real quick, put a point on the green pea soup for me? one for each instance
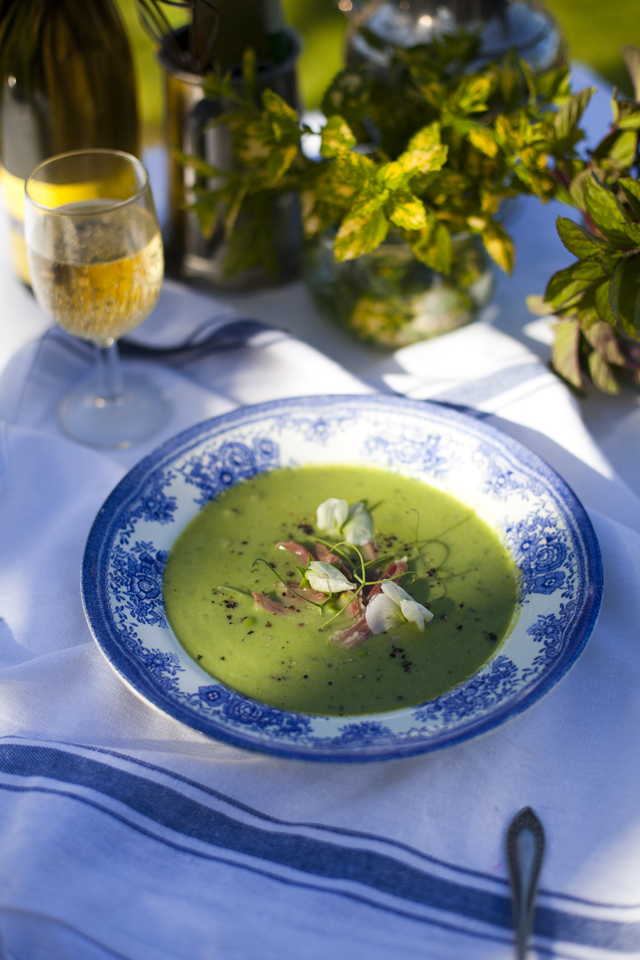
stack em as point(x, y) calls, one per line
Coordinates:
point(457, 567)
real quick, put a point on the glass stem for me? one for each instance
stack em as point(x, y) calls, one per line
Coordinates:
point(110, 373)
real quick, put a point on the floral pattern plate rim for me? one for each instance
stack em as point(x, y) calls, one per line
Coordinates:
point(537, 515)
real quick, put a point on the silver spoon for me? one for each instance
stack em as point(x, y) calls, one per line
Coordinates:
point(525, 850)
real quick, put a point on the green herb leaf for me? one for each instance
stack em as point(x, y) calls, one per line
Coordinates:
point(348, 95)
point(408, 212)
point(562, 288)
point(483, 140)
point(602, 303)
point(605, 211)
point(577, 240)
point(337, 137)
point(602, 338)
point(632, 231)
point(623, 150)
point(538, 305)
point(624, 294)
point(471, 95)
point(569, 115)
point(602, 375)
point(632, 60)
point(631, 191)
point(433, 247)
point(565, 354)
point(591, 269)
point(499, 245)
point(360, 233)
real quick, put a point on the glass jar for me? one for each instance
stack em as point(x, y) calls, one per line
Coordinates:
point(389, 298)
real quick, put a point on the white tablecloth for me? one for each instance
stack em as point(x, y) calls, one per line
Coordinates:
point(124, 834)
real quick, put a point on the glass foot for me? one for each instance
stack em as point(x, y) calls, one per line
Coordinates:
point(139, 412)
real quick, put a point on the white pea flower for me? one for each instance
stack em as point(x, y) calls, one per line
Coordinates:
point(358, 529)
point(326, 578)
point(393, 607)
point(351, 523)
point(331, 515)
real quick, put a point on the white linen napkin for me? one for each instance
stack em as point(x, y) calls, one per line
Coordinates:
point(124, 834)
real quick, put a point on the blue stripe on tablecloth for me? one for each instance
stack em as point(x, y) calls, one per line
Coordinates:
point(336, 831)
point(325, 859)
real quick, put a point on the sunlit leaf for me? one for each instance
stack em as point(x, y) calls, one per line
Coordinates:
point(605, 211)
point(337, 137)
point(565, 355)
point(602, 374)
point(569, 115)
point(499, 245)
point(358, 235)
point(603, 340)
point(632, 60)
point(577, 240)
point(409, 213)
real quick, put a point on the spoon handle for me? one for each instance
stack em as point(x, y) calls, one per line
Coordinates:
point(525, 850)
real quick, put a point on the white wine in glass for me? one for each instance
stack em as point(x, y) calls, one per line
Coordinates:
point(96, 262)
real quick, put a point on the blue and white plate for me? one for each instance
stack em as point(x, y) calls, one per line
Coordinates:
point(524, 500)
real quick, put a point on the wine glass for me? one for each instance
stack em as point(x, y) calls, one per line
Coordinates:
point(96, 262)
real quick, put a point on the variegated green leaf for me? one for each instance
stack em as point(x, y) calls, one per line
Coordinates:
point(408, 212)
point(433, 247)
point(471, 95)
point(499, 245)
point(483, 140)
point(360, 234)
point(278, 108)
point(280, 160)
point(337, 137)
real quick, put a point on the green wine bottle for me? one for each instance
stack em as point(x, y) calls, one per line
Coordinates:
point(67, 84)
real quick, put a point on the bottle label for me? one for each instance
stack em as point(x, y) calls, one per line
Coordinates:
point(13, 192)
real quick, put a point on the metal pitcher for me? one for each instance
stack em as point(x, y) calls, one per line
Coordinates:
point(190, 255)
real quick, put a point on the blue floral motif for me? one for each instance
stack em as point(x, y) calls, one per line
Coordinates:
point(426, 454)
point(215, 694)
point(135, 580)
point(552, 631)
point(163, 667)
point(313, 429)
point(212, 471)
point(539, 547)
point(504, 478)
point(365, 732)
point(152, 505)
point(548, 582)
point(219, 701)
point(478, 694)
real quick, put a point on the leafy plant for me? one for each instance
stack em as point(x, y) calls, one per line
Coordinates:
point(430, 153)
point(597, 298)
